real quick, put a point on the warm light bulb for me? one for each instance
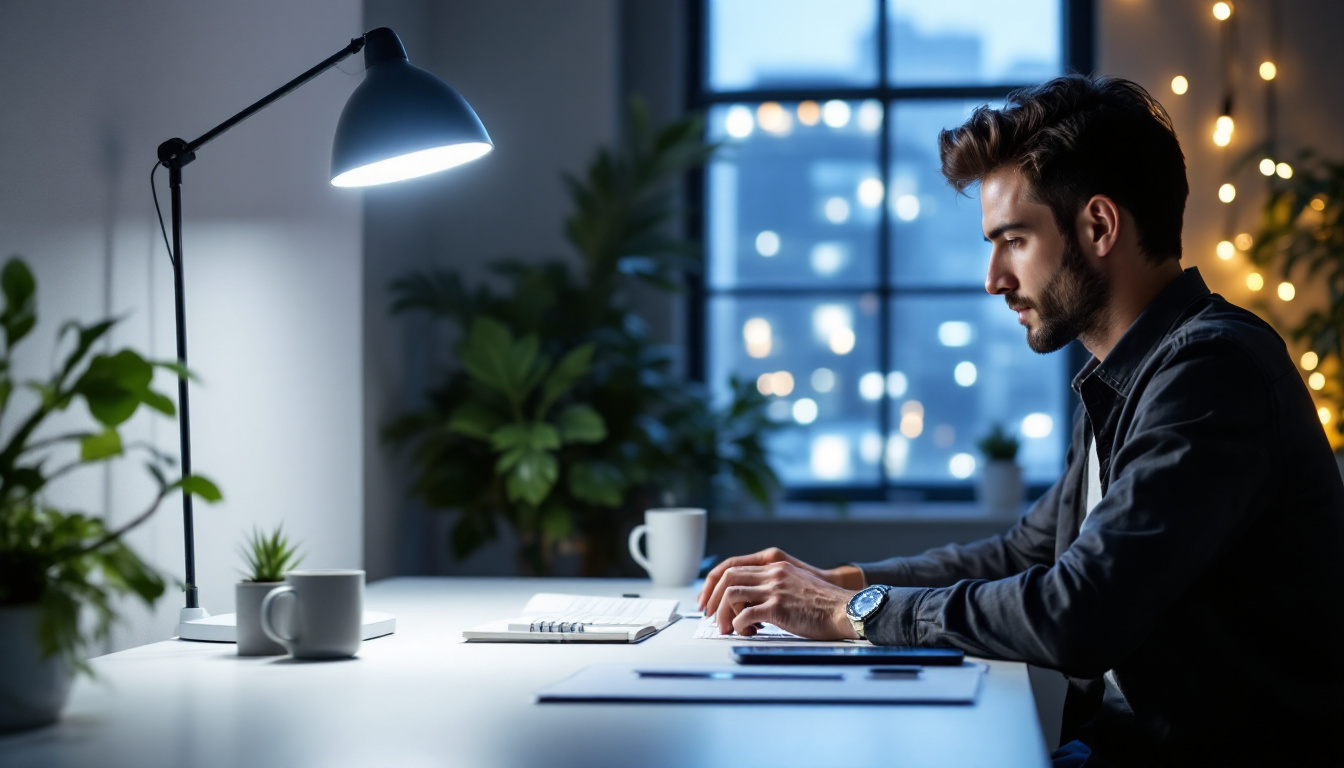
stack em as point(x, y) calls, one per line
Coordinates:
point(1179, 85)
point(1224, 124)
point(1227, 193)
point(1222, 138)
point(1284, 170)
point(1324, 413)
point(1244, 241)
point(809, 113)
point(1254, 281)
point(1318, 203)
point(1222, 11)
point(1287, 291)
point(1267, 167)
point(1310, 360)
point(1268, 70)
point(1225, 249)
point(1316, 381)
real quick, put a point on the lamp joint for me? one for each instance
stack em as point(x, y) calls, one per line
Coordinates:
point(174, 153)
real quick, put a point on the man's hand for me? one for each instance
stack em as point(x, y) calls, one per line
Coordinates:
point(792, 597)
point(846, 576)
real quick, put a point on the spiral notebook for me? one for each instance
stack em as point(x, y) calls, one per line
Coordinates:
point(555, 618)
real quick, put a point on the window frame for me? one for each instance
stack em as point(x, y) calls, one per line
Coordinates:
point(1078, 29)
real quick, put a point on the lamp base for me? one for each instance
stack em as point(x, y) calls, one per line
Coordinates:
point(198, 625)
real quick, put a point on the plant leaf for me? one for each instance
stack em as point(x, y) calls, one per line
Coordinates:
point(199, 486)
point(475, 419)
point(572, 367)
point(20, 313)
point(103, 445)
point(581, 423)
point(532, 476)
point(597, 482)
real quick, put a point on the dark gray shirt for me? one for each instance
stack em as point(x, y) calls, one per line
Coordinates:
point(1207, 586)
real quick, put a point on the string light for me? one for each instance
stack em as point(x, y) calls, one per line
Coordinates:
point(1254, 281)
point(1287, 291)
point(1227, 193)
point(1225, 249)
point(1318, 203)
point(1244, 242)
point(1179, 85)
point(1324, 413)
point(1316, 381)
point(1267, 167)
point(1222, 11)
point(1268, 70)
point(1310, 360)
point(1284, 170)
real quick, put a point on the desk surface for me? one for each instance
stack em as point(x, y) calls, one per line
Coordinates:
point(422, 697)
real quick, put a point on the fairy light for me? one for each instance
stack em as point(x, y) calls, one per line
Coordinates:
point(1310, 360)
point(1284, 170)
point(1225, 249)
point(1268, 70)
point(1317, 203)
point(1179, 85)
point(1255, 281)
point(1222, 11)
point(1316, 381)
point(1227, 193)
point(1244, 241)
point(1267, 167)
point(1324, 413)
point(1287, 291)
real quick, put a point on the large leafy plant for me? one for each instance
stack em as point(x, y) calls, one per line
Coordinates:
point(62, 560)
point(1301, 236)
point(565, 418)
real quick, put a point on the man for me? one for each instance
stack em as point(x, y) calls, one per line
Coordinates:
point(1186, 571)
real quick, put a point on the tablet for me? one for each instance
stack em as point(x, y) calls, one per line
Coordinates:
point(867, 655)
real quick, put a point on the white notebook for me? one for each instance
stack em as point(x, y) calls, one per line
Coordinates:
point(556, 618)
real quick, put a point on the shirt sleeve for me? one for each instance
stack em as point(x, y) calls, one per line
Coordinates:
point(1031, 541)
point(1194, 466)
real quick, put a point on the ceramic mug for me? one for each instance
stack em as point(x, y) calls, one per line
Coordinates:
point(325, 618)
point(676, 544)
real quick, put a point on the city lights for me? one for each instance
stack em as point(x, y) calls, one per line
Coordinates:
point(1037, 425)
point(767, 243)
point(965, 373)
point(835, 113)
point(954, 333)
point(757, 334)
point(961, 466)
point(738, 122)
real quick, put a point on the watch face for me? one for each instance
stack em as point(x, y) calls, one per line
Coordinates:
point(866, 601)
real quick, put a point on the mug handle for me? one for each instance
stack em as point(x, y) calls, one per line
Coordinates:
point(639, 557)
point(267, 625)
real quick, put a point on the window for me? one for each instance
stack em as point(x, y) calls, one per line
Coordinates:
point(843, 275)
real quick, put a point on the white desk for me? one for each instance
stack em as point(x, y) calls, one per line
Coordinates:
point(424, 698)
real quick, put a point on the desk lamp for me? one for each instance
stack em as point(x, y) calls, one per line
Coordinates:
point(400, 123)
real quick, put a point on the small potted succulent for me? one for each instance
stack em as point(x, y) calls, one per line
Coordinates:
point(268, 559)
point(1000, 485)
point(57, 562)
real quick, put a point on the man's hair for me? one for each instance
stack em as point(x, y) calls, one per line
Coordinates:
point(1074, 137)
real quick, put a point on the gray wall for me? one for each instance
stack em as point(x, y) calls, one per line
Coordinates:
point(272, 255)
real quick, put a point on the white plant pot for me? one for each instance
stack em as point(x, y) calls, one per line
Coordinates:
point(247, 603)
point(999, 489)
point(33, 689)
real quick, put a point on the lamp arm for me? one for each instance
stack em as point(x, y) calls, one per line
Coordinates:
point(176, 152)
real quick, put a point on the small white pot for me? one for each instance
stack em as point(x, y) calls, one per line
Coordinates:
point(247, 604)
point(999, 490)
point(33, 689)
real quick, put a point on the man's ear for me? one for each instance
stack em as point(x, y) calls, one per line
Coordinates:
point(1099, 225)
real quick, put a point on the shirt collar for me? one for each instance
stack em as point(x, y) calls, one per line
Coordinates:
point(1151, 326)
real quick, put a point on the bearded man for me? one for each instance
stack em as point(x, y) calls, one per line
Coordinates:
point(1187, 570)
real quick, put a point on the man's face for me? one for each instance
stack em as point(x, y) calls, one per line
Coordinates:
point(1044, 276)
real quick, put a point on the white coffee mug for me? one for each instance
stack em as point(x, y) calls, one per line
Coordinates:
point(676, 544)
point(328, 607)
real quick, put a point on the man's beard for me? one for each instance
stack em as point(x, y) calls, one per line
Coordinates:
point(1073, 303)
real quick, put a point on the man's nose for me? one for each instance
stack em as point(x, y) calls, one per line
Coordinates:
point(999, 279)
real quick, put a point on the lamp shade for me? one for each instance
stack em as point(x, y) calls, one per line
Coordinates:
point(401, 122)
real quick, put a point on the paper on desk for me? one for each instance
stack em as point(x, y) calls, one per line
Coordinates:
point(708, 629)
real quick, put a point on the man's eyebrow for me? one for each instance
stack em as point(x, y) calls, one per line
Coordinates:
point(999, 230)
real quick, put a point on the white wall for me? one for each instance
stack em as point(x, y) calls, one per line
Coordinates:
point(272, 256)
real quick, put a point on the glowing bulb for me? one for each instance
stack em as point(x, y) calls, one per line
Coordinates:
point(1179, 85)
point(1222, 11)
point(907, 207)
point(870, 386)
point(961, 466)
point(965, 373)
point(870, 192)
point(1225, 249)
point(1287, 291)
point(1221, 138)
point(1310, 360)
point(1254, 281)
point(1318, 203)
point(1284, 170)
point(809, 113)
point(835, 113)
point(767, 243)
point(1316, 381)
point(1268, 70)
point(763, 384)
point(1224, 124)
point(1037, 425)
point(1244, 242)
point(1324, 413)
point(805, 411)
point(1267, 167)
point(757, 334)
point(781, 383)
point(773, 118)
point(842, 341)
point(739, 122)
point(1227, 193)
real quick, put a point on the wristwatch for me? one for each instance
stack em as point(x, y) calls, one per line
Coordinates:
point(864, 605)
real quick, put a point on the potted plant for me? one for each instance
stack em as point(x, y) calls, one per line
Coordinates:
point(1301, 236)
point(1000, 484)
point(565, 419)
point(268, 559)
point(55, 563)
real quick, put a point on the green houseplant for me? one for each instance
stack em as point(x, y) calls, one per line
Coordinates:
point(1301, 236)
point(999, 489)
point(268, 558)
point(54, 562)
point(565, 418)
